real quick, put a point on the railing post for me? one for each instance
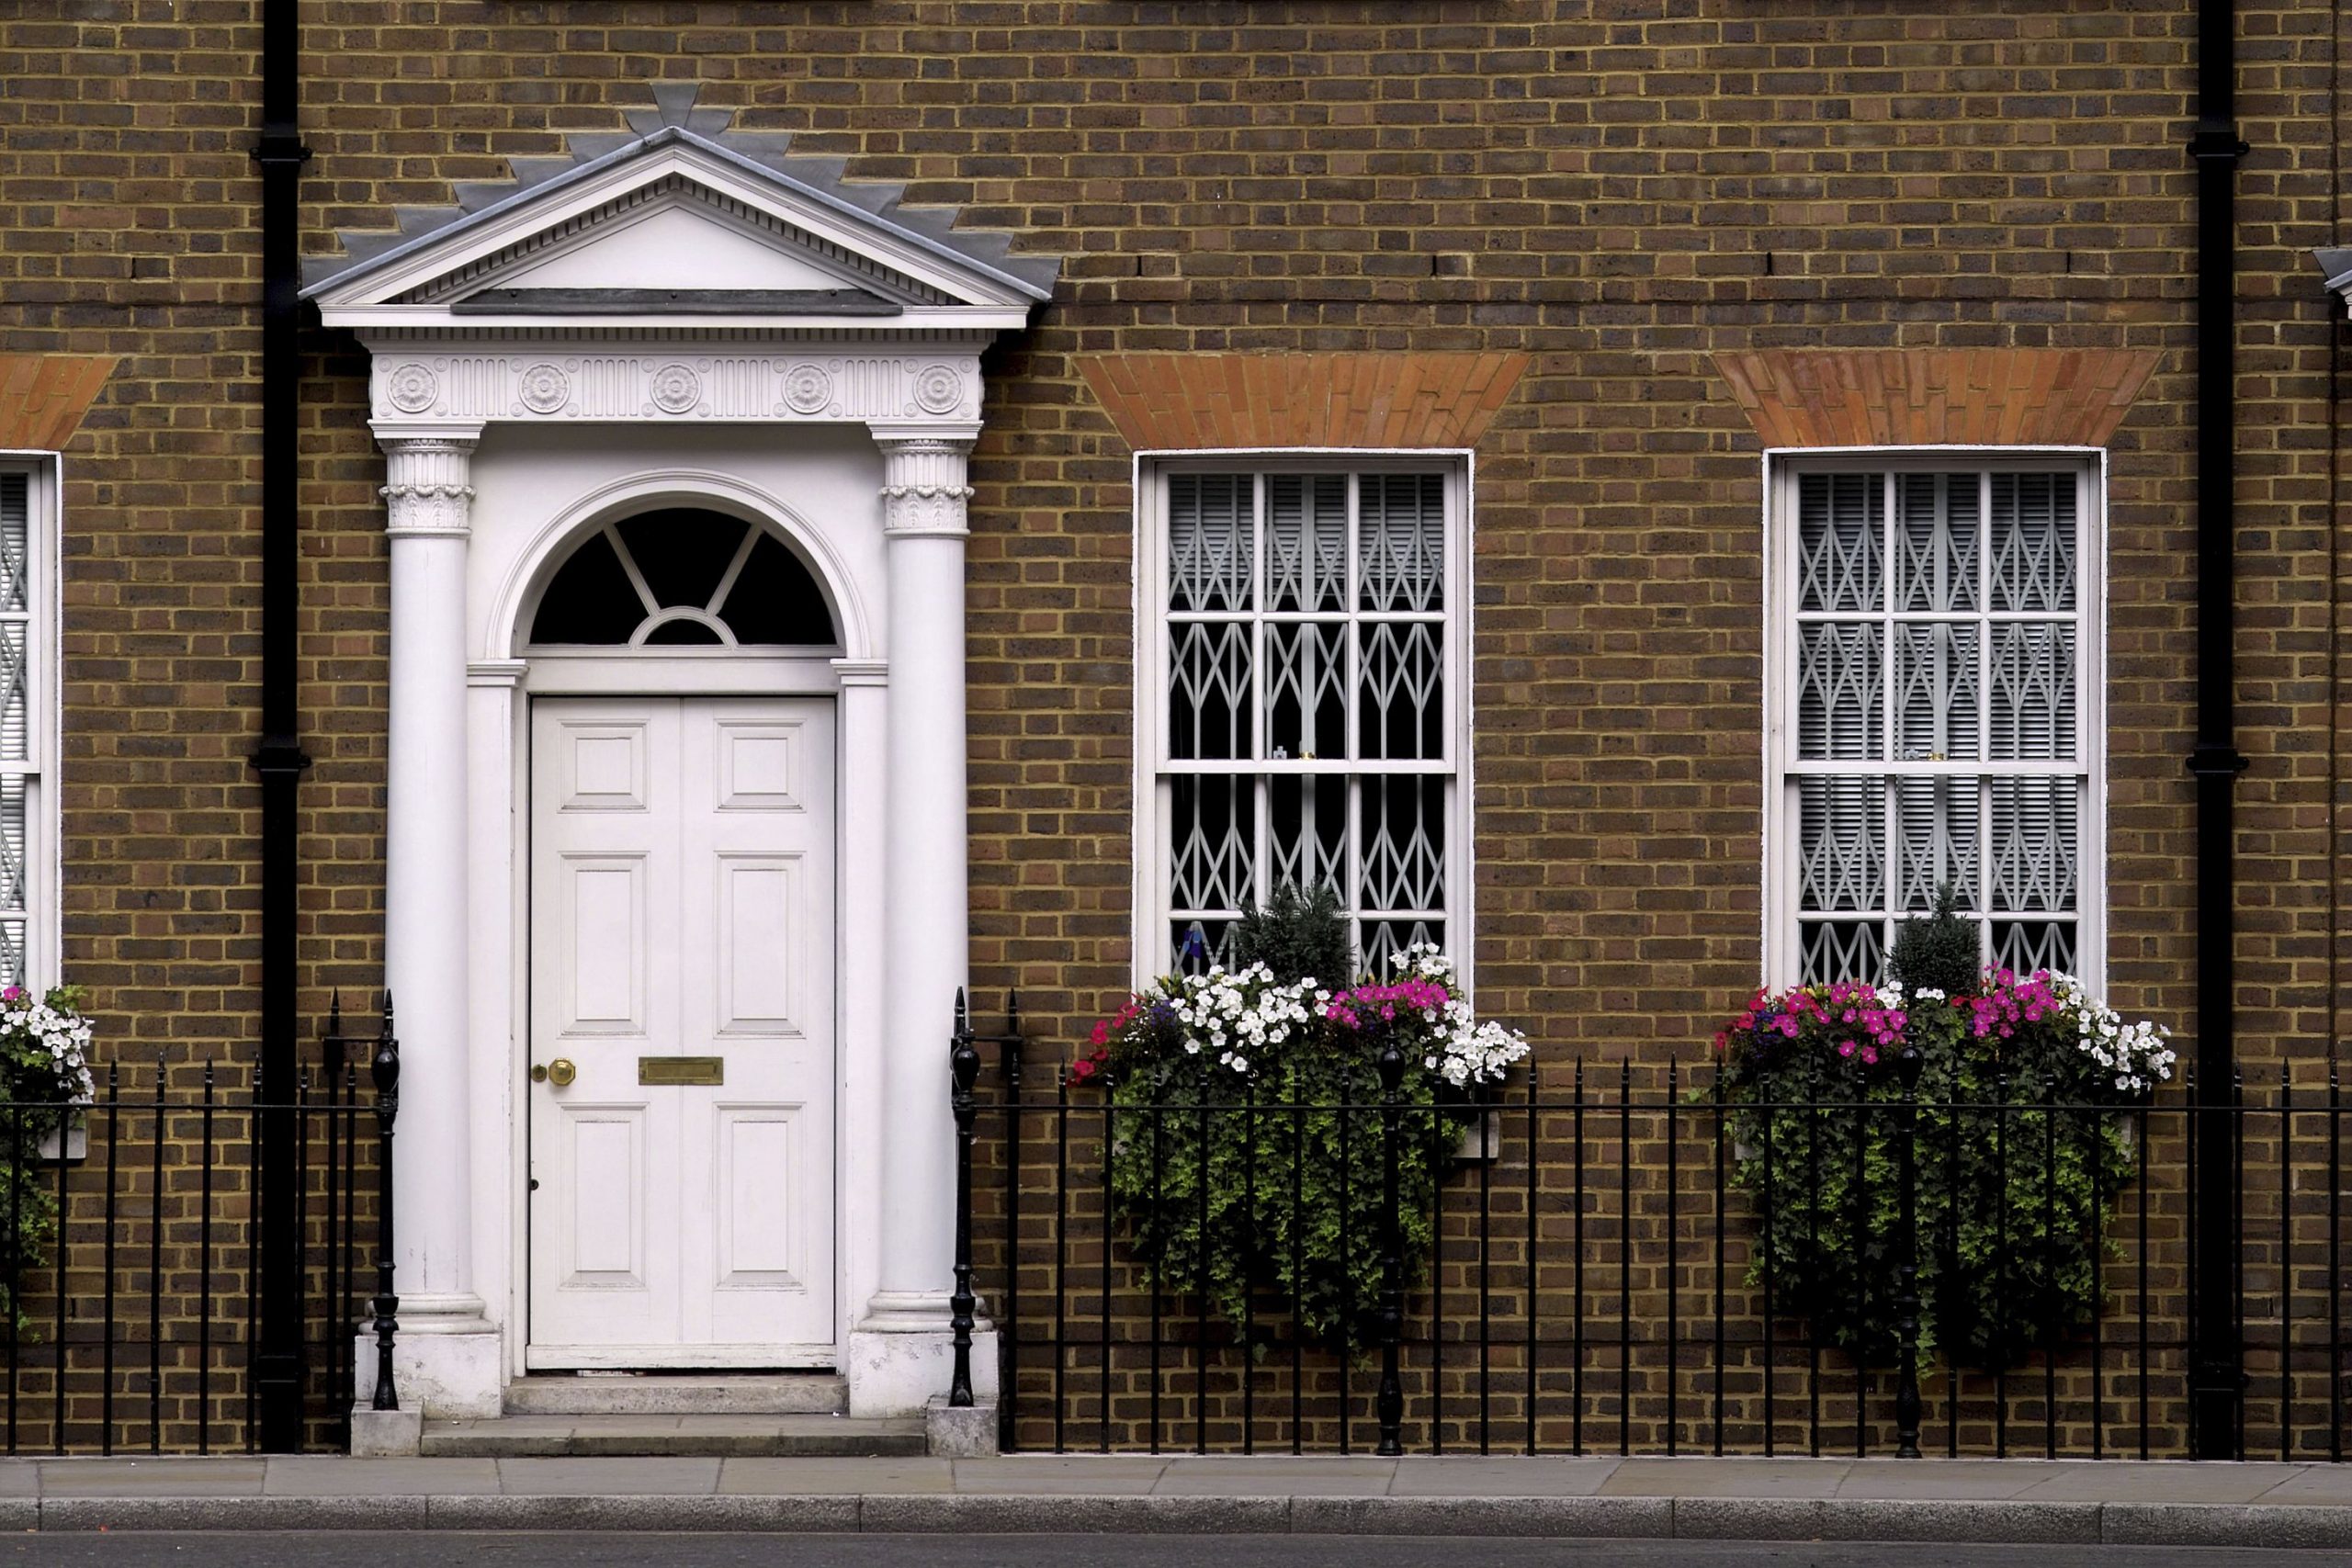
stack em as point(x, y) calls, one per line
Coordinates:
point(386, 1070)
point(1014, 1045)
point(1391, 1409)
point(1906, 1269)
point(964, 1070)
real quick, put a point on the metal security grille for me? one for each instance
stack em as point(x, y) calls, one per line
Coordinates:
point(1940, 659)
point(19, 723)
point(1308, 735)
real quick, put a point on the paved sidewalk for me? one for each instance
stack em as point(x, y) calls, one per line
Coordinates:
point(2017, 1501)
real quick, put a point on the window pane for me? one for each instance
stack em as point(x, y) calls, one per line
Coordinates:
point(1935, 539)
point(2024, 946)
point(1404, 843)
point(1831, 951)
point(13, 844)
point(1193, 945)
point(2035, 834)
point(1209, 559)
point(1936, 680)
point(1307, 542)
point(1838, 542)
point(2033, 690)
point(682, 552)
point(15, 714)
point(1841, 844)
point(1209, 712)
point(2034, 543)
point(1213, 843)
point(1382, 939)
point(590, 599)
point(1308, 830)
point(1401, 542)
point(1840, 691)
point(16, 523)
point(1400, 705)
point(1940, 820)
point(1307, 691)
point(775, 599)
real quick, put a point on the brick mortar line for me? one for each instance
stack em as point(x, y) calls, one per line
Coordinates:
point(1974, 1520)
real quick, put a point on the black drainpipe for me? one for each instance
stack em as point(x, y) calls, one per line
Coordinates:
point(276, 1363)
point(2218, 1378)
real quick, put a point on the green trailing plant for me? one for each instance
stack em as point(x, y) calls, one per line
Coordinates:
point(1247, 1126)
point(45, 1077)
point(2022, 1146)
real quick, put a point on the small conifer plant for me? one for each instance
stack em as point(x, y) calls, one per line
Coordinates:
point(1937, 952)
point(1299, 934)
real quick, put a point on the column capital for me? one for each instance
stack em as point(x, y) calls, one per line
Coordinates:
point(924, 471)
point(427, 467)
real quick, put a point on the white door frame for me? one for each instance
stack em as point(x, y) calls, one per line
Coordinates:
point(853, 687)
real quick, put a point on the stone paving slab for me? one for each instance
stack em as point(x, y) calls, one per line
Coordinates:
point(1728, 1478)
point(328, 1475)
point(834, 1477)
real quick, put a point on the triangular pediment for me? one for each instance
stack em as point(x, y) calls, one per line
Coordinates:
point(683, 223)
point(682, 244)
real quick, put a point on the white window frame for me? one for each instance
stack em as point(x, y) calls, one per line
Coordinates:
point(44, 858)
point(1152, 470)
point(1781, 943)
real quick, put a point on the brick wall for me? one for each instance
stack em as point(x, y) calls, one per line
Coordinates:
point(1622, 193)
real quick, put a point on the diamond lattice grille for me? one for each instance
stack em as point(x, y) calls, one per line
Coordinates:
point(19, 785)
point(1211, 541)
point(1309, 654)
point(1839, 543)
point(1935, 679)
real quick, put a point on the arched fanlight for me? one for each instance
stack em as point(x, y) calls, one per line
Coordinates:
point(683, 577)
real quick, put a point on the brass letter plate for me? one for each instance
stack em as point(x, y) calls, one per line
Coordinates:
point(681, 1070)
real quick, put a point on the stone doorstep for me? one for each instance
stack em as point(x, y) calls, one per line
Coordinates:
point(649, 1435)
point(785, 1393)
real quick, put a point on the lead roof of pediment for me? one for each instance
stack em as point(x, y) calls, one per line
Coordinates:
point(810, 185)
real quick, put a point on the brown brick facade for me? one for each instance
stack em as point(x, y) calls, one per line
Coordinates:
point(1700, 230)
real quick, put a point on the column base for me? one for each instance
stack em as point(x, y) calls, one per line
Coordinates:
point(904, 1356)
point(447, 1359)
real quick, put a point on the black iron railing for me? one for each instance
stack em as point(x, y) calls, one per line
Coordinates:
point(1601, 1278)
point(131, 1240)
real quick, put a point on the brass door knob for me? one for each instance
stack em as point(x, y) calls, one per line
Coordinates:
point(558, 1072)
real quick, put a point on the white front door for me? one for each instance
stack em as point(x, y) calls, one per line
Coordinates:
point(682, 965)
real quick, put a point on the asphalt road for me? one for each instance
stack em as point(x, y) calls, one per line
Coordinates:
point(519, 1550)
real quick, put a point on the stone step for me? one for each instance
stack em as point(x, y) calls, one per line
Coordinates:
point(764, 1394)
point(673, 1436)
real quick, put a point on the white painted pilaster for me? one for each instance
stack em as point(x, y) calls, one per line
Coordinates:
point(899, 1352)
point(449, 1363)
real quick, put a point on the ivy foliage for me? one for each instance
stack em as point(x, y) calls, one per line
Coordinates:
point(1265, 1195)
point(44, 1076)
point(2021, 1148)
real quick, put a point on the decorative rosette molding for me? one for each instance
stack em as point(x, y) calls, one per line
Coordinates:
point(557, 381)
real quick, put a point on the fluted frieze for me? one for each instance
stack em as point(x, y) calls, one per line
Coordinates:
point(543, 385)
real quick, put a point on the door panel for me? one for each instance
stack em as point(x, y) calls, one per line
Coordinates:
point(683, 897)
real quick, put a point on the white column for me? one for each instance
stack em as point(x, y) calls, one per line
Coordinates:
point(899, 1353)
point(449, 1362)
